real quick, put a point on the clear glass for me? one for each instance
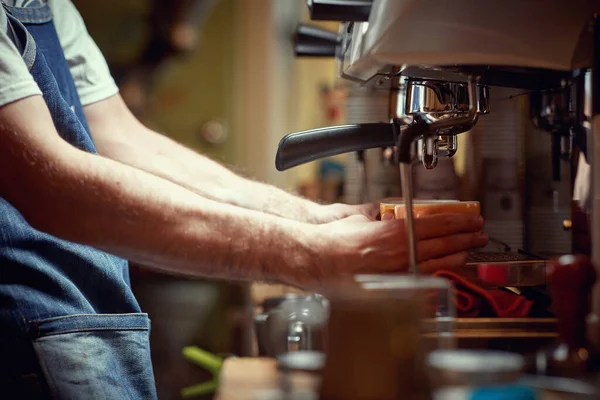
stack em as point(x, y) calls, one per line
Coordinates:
point(297, 324)
point(438, 317)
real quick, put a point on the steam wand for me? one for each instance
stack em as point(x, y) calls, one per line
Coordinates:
point(407, 135)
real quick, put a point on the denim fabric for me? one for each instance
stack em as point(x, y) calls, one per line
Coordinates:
point(23, 42)
point(96, 356)
point(51, 72)
point(70, 327)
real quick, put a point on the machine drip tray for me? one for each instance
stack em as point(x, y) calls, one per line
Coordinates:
point(499, 328)
point(502, 269)
point(521, 335)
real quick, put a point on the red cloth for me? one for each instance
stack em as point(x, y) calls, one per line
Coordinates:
point(470, 299)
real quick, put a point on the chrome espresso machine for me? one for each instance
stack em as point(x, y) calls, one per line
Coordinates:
point(440, 66)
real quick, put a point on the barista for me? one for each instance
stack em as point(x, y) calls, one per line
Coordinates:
point(85, 186)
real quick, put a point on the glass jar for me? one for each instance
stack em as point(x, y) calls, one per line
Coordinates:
point(295, 323)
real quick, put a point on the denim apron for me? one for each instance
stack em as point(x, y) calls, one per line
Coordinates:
point(70, 327)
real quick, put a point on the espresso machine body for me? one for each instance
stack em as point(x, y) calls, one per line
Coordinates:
point(522, 77)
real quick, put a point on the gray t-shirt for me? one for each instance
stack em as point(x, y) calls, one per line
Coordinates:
point(87, 64)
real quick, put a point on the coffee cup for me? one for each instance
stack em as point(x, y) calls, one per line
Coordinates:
point(429, 207)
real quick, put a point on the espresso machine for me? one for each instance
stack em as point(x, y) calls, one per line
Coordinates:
point(433, 70)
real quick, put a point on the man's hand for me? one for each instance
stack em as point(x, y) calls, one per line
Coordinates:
point(356, 244)
point(337, 211)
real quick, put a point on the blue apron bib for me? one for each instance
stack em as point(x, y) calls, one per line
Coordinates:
point(70, 327)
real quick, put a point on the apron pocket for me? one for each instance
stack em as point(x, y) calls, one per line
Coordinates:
point(100, 356)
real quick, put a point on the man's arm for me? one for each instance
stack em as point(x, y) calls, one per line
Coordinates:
point(120, 136)
point(89, 199)
point(93, 200)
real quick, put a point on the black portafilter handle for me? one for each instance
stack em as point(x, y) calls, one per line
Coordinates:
point(311, 41)
point(306, 146)
point(339, 10)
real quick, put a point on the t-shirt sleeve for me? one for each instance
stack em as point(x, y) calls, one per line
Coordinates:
point(15, 80)
point(87, 64)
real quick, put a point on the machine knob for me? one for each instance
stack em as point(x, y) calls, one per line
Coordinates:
point(312, 41)
point(570, 280)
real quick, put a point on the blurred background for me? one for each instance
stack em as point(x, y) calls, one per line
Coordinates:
point(219, 76)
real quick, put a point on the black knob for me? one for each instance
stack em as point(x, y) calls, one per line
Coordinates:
point(340, 10)
point(315, 42)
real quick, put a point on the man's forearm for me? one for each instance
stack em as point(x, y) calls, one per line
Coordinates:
point(164, 157)
point(135, 145)
point(157, 223)
point(99, 202)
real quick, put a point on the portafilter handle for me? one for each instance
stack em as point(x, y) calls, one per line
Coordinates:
point(312, 41)
point(306, 146)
